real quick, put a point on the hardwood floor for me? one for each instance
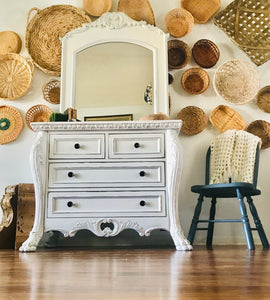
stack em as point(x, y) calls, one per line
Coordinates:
point(222, 273)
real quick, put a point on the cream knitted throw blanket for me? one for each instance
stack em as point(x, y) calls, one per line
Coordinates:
point(233, 156)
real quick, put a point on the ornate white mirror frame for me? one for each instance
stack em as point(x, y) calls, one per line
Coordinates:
point(115, 27)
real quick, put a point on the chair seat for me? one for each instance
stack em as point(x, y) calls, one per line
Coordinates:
point(225, 190)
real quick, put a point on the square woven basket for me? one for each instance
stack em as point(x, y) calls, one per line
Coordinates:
point(246, 22)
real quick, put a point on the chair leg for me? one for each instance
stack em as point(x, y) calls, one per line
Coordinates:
point(194, 223)
point(258, 223)
point(245, 221)
point(211, 224)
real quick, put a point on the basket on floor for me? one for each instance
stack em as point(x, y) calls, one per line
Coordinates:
point(38, 113)
point(43, 32)
point(16, 75)
point(236, 81)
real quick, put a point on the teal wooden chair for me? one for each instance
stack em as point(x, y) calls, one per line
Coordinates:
point(239, 190)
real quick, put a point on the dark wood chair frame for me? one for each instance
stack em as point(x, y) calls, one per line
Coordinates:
point(238, 190)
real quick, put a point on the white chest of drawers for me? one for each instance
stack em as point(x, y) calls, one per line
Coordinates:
point(106, 177)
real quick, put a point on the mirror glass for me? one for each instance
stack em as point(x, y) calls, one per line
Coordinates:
point(114, 79)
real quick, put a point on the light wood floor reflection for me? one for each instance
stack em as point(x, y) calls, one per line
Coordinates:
point(222, 273)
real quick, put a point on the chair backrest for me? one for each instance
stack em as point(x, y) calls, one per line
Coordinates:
point(255, 172)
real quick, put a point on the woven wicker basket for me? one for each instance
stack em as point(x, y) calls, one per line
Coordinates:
point(44, 30)
point(10, 42)
point(38, 113)
point(51, 91)
point(224, 117)
point(194, 120)
point(11, 124)
point(178, 54)
point(261, 129)
point(236, 81)
point(246, 22)
point(202, 11)
point(16, 75)
point(97, 8)
point(179, 22)
point(195, 81)
point(139, 10)
point(263, 99)
point(205, 53)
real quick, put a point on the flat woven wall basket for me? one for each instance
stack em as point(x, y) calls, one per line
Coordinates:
point(44, 30)
point(16, 75)
point(246, 22)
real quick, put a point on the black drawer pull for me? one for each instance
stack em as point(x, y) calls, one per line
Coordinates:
point(77, 146)
point(136, 145)
point(142, 173)
point(70, 174)
point(70, 204)
point(142, 203)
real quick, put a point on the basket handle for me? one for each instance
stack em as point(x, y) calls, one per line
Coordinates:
point(30, 62)
point(30, 11)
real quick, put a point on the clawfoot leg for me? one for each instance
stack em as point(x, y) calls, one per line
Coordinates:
point(31, 243)
point(180, 241)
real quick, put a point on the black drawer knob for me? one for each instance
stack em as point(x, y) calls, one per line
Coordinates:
point(70, 174)
point(142, 203)
point(136, 145)
point(77, 146)
point(70, 204)
point(142, 173)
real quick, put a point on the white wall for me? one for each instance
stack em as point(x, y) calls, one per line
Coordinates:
point(14, 159)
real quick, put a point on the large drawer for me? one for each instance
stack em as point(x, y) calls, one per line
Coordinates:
point(77, 146)
point(136, 145)
point(94, 204)
point(106, 174)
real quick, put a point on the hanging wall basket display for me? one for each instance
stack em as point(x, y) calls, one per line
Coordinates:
point(43, 33)
point(38, 113)
point(246, 22)
point(51, 91)
point(11, 124)
point(15, 76)
point(236, 81)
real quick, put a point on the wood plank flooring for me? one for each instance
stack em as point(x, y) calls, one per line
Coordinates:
point(230, 272)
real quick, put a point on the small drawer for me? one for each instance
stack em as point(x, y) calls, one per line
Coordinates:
point(106, 174)
point(109, 203)
point(132, 145)
point(77, 146)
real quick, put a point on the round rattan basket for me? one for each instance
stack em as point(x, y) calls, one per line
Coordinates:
point(51, 91)
point(16, 75)
point(178, 54)
point(195, 81)
point(10, 42)
point(38, 113)
point(261, 129)
point(205, 53)
point(11, 124)
point(224, 117)
point(194, 120)
point(263, 99)
point(236, 81)
point(179, 22)
point(43, 33)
